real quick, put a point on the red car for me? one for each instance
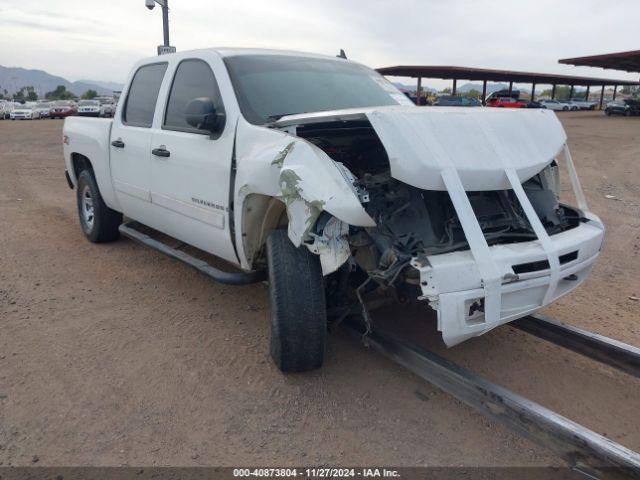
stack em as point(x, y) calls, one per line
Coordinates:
point(505, 102)
point(63, 109)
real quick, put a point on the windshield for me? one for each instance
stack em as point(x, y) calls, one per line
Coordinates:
point(88, 103)
point(271, 86)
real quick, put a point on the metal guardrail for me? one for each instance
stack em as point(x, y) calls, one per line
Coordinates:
point(597, 347)
point(582, 449)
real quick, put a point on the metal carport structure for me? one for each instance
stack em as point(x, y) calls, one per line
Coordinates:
point(625, 61)
point(490, 75)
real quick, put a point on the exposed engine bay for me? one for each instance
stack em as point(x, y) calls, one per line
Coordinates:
point(411, 221)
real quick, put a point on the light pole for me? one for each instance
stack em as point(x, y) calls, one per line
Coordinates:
point(150, 4)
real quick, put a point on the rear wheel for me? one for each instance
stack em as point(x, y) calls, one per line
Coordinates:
point(99, 223)
point(298, 310)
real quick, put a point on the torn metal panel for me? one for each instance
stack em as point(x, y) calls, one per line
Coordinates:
point(276, 164)
point(332, 246)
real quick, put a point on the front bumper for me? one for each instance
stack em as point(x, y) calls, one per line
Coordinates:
point(21, 116)
point(454, 288)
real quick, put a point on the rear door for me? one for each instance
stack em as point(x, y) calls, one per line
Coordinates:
point(130, 145)
point(190, 171)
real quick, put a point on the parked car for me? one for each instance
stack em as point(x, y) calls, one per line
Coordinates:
point(626, 107)
point(573, 106)
point(108, 106)
point(555, 105)
point(456, 101)
point(583, 104)
point(532, 104)
point(63, 109)
point(505, 102)
point(24, 112)
point(340, 190)
point(90, 108)
point(43, 109)
point(5, 110)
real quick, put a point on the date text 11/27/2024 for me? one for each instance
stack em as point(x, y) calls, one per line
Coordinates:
point(325, 472)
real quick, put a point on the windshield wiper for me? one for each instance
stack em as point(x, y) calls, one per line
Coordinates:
point(275, 118)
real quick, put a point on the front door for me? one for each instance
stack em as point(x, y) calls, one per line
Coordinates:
point(190, 168)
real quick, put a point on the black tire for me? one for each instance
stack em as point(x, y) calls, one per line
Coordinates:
point(105, 222)
point(298, 310)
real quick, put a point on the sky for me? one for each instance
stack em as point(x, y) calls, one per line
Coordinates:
point(100, 40)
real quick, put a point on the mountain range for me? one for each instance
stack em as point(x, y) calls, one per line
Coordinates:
point(13, 79)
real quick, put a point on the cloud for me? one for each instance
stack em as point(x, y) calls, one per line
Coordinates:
point(101, 40)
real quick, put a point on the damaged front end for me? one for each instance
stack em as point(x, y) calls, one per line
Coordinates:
point(459, 208)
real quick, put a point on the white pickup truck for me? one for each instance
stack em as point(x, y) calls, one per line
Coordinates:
point(320, 172)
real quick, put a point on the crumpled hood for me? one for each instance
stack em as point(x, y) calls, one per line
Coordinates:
point(479, 143)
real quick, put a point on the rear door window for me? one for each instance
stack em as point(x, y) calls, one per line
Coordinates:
point(143, 95)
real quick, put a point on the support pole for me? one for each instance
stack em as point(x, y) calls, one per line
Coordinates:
point(601, 96)
point(455, 86)
point(586, 97)
point(553, 91)
point(615, 89)
point(571, 92)
point(484, 92)
point(165, 22)
point(533, 92)
point(418, 91)
point(510, 88)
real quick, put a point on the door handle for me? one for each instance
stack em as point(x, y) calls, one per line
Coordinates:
point(161, 151)
point(118, 143)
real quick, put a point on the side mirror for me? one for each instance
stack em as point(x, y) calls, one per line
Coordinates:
point(201, 114)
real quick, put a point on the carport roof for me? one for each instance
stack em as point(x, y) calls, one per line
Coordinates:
point(626, 61)
point(470, 73)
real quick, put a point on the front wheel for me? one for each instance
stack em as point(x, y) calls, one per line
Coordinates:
point(298, 310)
point(99, 223)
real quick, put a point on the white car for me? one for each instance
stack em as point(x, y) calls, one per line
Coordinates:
point(573, 105)
point(108, 106)
point(42, 109)
point(90, 108)
point(556, 105)
point(23, 112)
point(5, 110)
point(320, 172)
point(584, 104)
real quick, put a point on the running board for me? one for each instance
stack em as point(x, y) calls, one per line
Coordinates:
point(129, 230)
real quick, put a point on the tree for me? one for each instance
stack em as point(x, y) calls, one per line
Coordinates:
point(19, 96)
point(25, 94)
point(561, 92)
point(60, 93)
point(32, 96)
point(628, 90)
point(473, 93)
point(89, 94)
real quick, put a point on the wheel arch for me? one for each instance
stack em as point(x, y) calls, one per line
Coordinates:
point(260, 215)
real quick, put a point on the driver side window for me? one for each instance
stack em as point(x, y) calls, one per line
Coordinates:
point(193, 79)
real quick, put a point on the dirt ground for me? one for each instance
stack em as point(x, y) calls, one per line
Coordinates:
point(113, 354)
